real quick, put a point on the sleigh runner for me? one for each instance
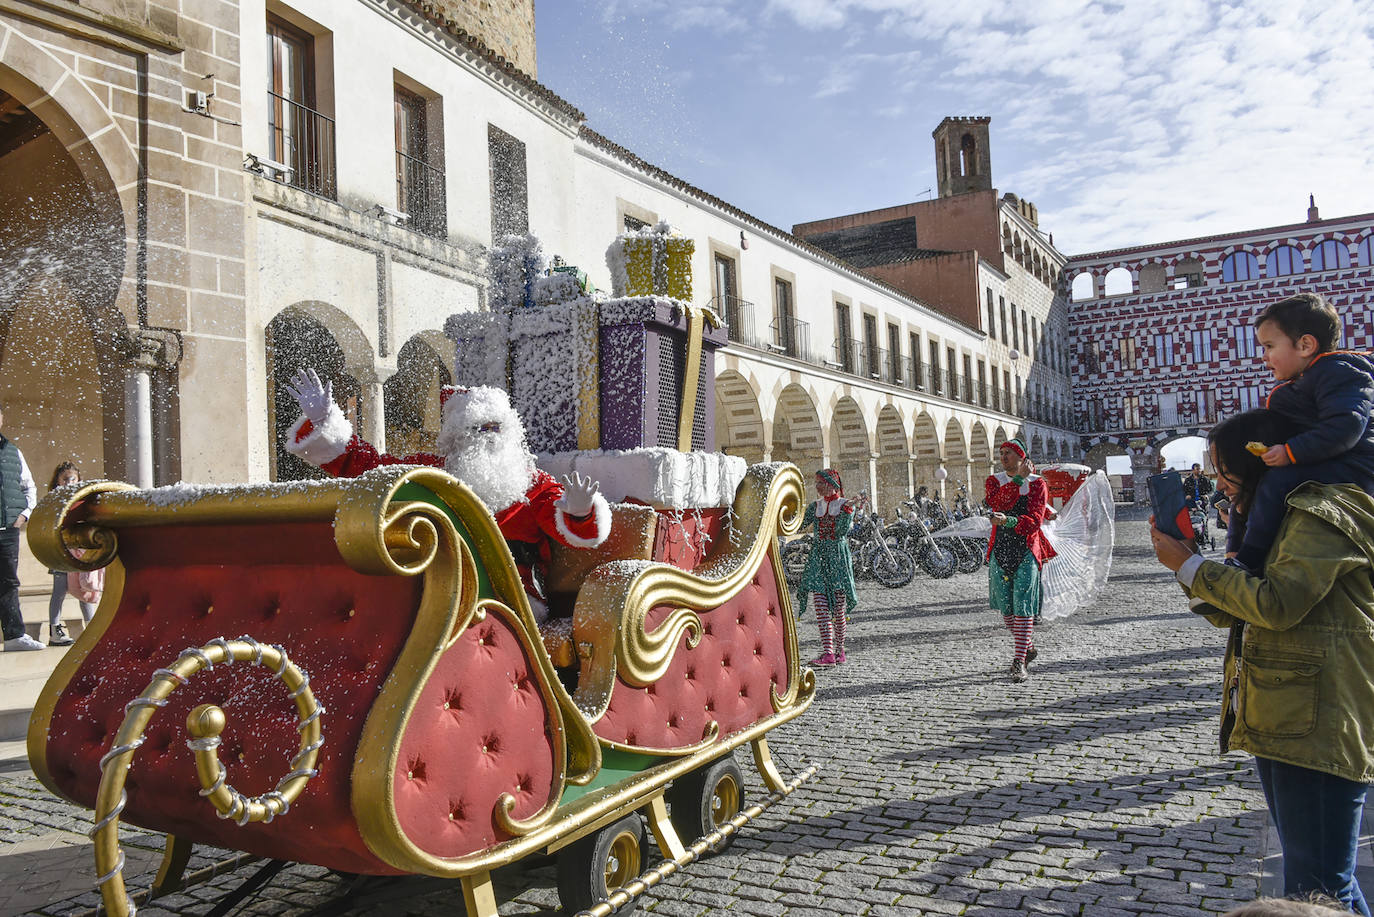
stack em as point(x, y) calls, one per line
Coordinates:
point(362, 686)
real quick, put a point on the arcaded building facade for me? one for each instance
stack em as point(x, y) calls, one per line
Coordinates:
point(1163, 343)
point(199, 196)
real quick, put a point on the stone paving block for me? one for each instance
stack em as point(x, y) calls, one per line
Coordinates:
point(1095, 787)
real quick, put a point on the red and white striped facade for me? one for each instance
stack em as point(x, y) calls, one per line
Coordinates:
point(1157, 363)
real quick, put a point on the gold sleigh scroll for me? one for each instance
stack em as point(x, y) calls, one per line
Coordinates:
point(610, 619)
point(376, 532)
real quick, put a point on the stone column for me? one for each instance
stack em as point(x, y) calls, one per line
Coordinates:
point(151, 351)
point(371, 409)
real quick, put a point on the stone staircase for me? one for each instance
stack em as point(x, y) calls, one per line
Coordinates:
point(23, 674)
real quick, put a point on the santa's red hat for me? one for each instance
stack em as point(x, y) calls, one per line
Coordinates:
point(448, 391)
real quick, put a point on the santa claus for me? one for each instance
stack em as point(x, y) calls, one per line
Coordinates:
point(482, 443)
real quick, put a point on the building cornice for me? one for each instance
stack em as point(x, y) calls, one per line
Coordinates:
point(1211, 241)
point(628, 159)
point(425, 20)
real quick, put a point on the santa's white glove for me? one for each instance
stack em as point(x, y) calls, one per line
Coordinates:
point(579, 495)
point(313, 396)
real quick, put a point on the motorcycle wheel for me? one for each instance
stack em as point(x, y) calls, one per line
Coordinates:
point(970, 558)
point(938, 561)
point(894, 569)
point(794, 557)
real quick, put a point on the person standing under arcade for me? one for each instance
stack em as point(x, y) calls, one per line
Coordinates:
point(1019, 500)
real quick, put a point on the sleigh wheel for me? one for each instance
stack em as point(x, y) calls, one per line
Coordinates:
point(705, 799)
point(592, 868)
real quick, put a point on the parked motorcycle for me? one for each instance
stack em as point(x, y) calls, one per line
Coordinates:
point(935, 557)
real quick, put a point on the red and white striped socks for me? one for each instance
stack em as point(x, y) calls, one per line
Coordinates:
point(831, 623)
point(1021, 632)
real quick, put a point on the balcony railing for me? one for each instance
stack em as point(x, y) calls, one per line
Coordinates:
point(739, 320)
point(792, 337)
point(847, 356)
point(915, 378)
point(420, 194)
point(933, 379)
point(303, 139)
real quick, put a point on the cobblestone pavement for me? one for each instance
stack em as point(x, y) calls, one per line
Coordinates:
point(1094, 788)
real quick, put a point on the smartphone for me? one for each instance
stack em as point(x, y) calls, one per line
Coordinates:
point(1170, 505)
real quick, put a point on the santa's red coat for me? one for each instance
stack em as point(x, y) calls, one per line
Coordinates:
point(534, 521)
point(1002, 494)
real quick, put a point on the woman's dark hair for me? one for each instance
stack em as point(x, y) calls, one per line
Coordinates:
point(1229, 437)
point(60, 470)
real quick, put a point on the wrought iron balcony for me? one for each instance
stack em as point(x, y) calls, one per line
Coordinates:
point(420, 194)
point(303, 139)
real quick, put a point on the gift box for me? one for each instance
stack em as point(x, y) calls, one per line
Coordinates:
point(644, 354)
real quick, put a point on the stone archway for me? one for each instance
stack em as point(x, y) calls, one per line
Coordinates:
point(1123, 484)
point(411, 397)
point(797, 435)
point(296, 338)
point(64, 346)
point(739, 421)
point(850, 445)
point(980, 455)
point(956, 456)
point(893, 462)
point(925, 446)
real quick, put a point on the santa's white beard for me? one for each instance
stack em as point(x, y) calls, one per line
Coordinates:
point(497, 467)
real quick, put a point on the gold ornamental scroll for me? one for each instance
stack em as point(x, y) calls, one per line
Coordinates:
point(697, 319)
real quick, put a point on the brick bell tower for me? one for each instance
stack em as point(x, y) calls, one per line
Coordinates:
point(962, 159)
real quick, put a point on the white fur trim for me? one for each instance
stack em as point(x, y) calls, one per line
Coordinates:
point(602, 509)
point(326, 442)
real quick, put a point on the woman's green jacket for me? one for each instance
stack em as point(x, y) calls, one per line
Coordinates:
point(1301, 687)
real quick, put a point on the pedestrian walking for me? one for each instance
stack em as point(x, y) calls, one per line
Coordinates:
point(18, 497)
point(829, 573)
point(1297, 692)
point(1018, 499)
point(87, 590)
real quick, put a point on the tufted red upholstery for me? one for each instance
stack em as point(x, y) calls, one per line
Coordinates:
point(727, 677)
point(279, 583)
point(478, 731)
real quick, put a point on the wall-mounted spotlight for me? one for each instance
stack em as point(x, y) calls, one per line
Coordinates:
point(388, 215)
point(267, 168)
point(743, 240)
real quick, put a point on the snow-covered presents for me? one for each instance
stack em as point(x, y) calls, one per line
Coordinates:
point(587, 372)
point(662, 478)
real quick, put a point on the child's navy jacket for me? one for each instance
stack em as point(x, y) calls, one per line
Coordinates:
point(1332, 403)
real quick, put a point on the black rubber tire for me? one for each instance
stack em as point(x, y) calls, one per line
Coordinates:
point(967, 560)
point(706, 798)
point(895, 569)
point(938, 561)
point(614, 853)
point(794, 556)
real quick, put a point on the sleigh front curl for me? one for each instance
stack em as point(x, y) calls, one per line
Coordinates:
point(347, 672)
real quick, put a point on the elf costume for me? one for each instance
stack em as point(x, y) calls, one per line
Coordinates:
point(1016, 552)
point(829, 573)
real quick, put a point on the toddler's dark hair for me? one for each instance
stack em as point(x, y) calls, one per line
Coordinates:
point(1305, 313)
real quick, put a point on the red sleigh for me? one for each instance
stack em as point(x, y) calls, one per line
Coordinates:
point(347, 673)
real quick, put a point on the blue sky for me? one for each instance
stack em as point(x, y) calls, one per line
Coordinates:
point(1126, 123)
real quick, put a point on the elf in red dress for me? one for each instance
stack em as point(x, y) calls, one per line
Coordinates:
point(482, 443)
point(1019, 500)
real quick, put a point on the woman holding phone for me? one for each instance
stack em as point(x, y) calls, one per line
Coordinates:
point(1298, 689)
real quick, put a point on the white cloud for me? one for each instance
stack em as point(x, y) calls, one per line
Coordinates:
point(1127, 123)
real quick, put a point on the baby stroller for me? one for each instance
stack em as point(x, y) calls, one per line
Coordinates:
point(1202, 531)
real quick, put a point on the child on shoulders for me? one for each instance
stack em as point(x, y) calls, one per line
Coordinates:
point(1328, 394)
